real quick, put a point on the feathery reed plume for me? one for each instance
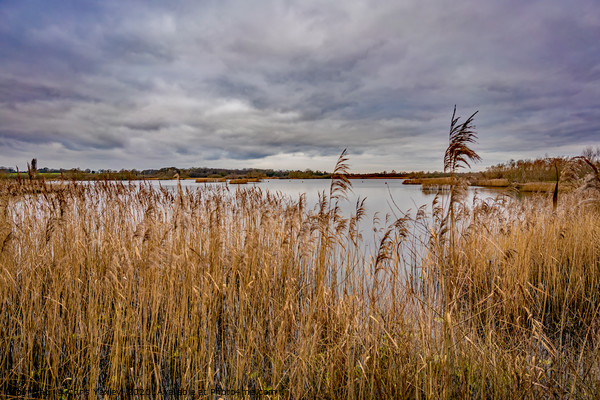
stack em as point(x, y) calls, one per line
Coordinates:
point(340, 184)
point(18, 175)
point(458, 154)
point(589, 160)
point(576, 172)
point(29, 172)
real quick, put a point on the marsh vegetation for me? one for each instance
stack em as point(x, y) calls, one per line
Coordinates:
point(109, 285)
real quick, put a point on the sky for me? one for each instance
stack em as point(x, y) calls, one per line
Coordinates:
point(290, 84)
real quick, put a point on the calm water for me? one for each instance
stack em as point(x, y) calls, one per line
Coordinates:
point(382, 197)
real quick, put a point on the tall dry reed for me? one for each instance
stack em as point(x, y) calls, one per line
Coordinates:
point(111, 286)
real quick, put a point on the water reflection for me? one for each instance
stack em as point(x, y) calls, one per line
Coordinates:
point(385, 199)
point(382, 195)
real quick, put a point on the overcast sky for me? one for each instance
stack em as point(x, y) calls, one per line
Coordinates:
point(290, 84)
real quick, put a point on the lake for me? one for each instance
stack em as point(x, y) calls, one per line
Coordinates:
point(382, 197)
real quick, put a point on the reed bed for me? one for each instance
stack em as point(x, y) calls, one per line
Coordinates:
point(244, 181)
point(540, 187)
point(240, 181)
point(429, 182)
point(436, 182)
point(415, 181)
point(500, 182)
point(210, 180)
point(109, 286)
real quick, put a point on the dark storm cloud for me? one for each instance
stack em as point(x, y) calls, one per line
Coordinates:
point(107, 84)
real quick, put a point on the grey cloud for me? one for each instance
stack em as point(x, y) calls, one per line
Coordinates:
point(144, 85)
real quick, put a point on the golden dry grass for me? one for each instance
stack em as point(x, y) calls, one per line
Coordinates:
point(210, 180)
point(415, 181)
point(107, 285)
point(429, 182)
point(540, 187)
point(492, 182)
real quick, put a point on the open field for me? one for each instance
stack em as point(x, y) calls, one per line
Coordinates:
point(110, 286)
